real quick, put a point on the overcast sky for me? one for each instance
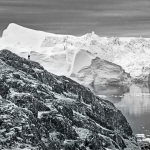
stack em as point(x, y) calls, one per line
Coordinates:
point(105, 17)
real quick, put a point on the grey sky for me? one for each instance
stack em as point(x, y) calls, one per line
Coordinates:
point(105, 17)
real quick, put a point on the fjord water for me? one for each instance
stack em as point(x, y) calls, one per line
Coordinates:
point(134, 103)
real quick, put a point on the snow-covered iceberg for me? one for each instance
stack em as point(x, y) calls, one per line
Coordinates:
point(78, 57)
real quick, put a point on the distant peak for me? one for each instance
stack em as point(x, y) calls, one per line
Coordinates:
point(91, 35)
point(93, 32)
point(14, 26)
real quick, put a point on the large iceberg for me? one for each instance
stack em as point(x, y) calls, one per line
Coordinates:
point(82, 58)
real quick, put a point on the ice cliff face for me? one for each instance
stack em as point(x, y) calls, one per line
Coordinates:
point(100, 71)
point(66, 55)
point(41, 110)
point(132, 54)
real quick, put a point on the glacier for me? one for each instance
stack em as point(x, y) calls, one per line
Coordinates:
point(74, 56)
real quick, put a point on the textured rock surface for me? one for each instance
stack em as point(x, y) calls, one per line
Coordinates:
point(42, 110)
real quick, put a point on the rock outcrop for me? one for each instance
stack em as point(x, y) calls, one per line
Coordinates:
point(39, 110)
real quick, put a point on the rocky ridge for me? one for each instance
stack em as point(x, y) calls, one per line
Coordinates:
point(39, 110)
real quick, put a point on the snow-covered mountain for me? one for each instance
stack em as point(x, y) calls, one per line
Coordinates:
point(39, 110)
point(81, 58)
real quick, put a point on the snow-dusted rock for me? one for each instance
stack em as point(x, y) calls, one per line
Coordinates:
point(40, 110)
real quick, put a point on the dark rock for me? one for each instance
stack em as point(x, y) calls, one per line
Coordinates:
point(17, 76)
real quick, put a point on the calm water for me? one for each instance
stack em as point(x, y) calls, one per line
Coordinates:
point(133, 102)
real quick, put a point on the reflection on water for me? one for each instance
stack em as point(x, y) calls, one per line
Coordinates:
point(134, 104)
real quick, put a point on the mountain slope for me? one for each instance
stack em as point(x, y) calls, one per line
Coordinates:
point(40, 109)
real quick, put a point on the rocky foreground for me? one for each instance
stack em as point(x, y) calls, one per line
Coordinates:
point(39, 110)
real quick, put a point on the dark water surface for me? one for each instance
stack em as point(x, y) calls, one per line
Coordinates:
point(134, 104)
